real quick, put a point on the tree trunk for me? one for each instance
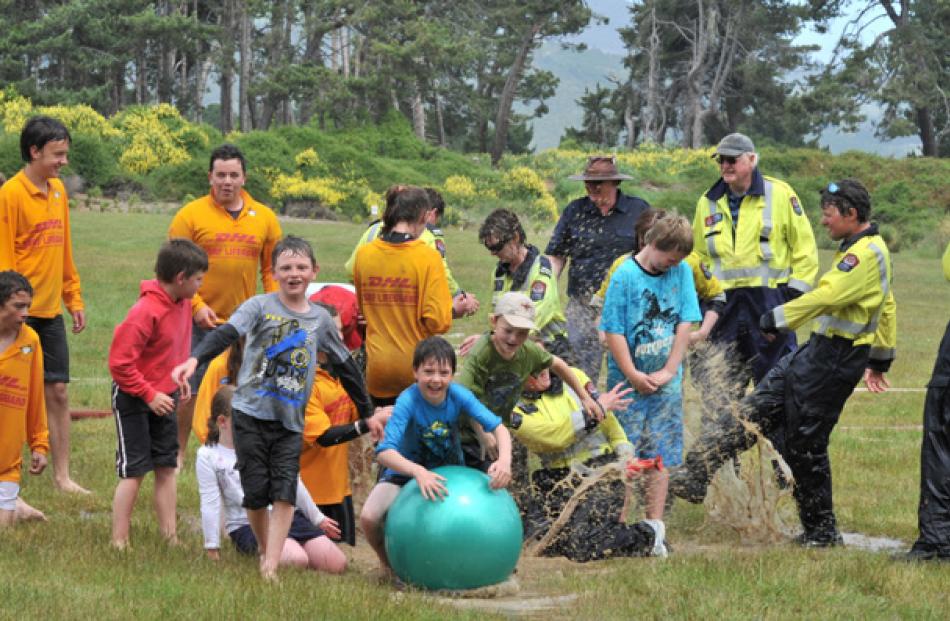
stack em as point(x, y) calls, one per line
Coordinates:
point(226, 67)
point(651, 112)
point(418, 114)
point(244, 88)
point(440, 121)
point(509, 91)
point(925, 128)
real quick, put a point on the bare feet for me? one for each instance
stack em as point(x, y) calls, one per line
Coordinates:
point(71, 487)
point(26, 513)
point(121, 545)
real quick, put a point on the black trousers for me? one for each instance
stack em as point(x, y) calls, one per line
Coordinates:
point(933, 513)
point(796, 406)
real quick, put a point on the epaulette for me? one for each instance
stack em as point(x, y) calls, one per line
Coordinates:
point(545, 266)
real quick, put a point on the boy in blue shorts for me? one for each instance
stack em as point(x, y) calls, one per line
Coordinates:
point(284, 332)
point(423, 433)
point(649, 307)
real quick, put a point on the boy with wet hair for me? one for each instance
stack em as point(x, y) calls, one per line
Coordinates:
point(284, 332)
point(423, 433)
point(155, 334)
point(650, 306)
point(35, 241)
point(22, 404)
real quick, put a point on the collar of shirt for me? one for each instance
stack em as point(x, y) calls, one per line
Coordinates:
point(720, 188)
point(396, 238)
point(519, 276)
point(868, 232)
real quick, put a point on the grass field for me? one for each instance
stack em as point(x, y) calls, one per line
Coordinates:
point(66, 569)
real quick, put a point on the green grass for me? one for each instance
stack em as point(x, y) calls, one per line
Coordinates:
point(65, 569)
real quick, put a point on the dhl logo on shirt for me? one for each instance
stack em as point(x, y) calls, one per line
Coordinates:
point(389, 282)
point(236, 237)
point(10, 381)
point(12, 392)
point(38, 235)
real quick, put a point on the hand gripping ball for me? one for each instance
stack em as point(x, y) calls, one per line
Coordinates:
point(471, 538)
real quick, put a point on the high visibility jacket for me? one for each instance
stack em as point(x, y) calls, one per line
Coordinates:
point(540, 284)
point(708, 287)
point(773, 243)
point(852, 300)
point(946, 263)
point(553, 427)
point(431, 236)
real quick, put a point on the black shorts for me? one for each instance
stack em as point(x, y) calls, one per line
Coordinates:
point(268, 458)
point(145, 440)
point(302, 530)
point(197, 335)
point(52, 333)
point(342, 514)
point(383, 402)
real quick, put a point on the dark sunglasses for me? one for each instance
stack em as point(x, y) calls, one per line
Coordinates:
point(496, 247)
point(594, 184)
point(727, 159)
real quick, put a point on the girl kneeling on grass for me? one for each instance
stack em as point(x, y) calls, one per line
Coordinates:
point(219, 485)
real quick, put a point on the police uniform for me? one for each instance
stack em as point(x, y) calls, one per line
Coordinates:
point(535, 278)
point(553, 426)
point(763, 258)
point(933, 512)
point(799, 401)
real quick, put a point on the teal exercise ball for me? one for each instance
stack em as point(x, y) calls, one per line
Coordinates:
point(471, 538)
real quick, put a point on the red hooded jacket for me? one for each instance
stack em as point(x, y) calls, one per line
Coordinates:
point(155, 336)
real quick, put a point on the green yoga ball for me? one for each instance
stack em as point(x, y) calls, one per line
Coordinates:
point(471, 538)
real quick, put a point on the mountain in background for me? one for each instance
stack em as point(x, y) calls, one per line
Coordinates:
point(603, 58)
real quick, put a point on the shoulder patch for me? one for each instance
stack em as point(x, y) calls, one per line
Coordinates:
point(26, 349)
point(527, 408)
point(713, 219)
point(440, 246)
point(538, 288)
point(705, 270)
point(849, 262)
point(796, 206)
point(437, 231)
point(499, 284)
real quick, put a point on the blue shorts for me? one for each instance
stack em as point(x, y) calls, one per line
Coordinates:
point(654, 425)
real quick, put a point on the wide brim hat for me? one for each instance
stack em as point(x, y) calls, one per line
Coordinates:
point(600, 168)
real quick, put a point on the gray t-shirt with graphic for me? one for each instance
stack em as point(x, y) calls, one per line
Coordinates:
point(280, 357)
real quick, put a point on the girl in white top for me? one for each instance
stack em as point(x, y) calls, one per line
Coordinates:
point(219, 485)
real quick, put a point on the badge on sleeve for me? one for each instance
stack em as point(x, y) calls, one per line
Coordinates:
point(796, 206)
point(26, 349)
point(440, 246)
point(713, 219)
point(537, 291)
point(848, 263)
point(706, 271)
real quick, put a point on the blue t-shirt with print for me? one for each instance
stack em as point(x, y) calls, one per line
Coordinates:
point(646, 308)
point(429, 434)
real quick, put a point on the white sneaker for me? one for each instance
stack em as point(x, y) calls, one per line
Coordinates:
point(659, 538)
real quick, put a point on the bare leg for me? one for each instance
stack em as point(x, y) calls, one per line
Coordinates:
point(57, 411)
point(186, 412)
point(281, 515)
point(259, 520)
point(26, 513)
point(292, 554)
point(122, 504)
point(7, 518)
point(166, 497)
point(657, 482)
point(324, 555)
point(373, 516)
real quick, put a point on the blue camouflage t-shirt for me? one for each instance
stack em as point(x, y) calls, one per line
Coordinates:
point(646, 308)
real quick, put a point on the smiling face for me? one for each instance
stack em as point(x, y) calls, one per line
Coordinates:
point(48, 161)
point(13, 312)
point(293, 272)
point(507, 339)
point(433, 377)
point(226, 178)
point(838, 226)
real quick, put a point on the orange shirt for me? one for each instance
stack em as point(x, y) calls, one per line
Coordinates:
point(404, 296)
point(235, 247)
point(214, 378)
point(22, 404)
point(325, 470)
point(34, 240)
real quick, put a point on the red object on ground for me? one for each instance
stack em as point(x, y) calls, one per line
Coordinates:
point(81, 414)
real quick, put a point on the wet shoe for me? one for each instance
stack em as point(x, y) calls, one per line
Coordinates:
point(919, 554)
point(689, 488)
point(824, 541)
point(660, 549)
